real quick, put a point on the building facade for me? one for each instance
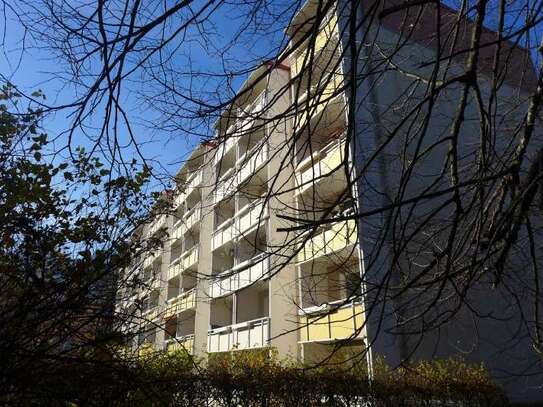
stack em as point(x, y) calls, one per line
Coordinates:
point(237, 270)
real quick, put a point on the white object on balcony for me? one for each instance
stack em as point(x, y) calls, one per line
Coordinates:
point(245, 335)
point(180, 197)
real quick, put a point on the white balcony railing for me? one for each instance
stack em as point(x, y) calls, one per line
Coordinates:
point(156, 224)
point(245, 335)
point(226, 185)
point(178, 230)
point(176, 268)
point(150, 314)
point(151, 257)
point(179, 198)
point(254, 110)
point(324, 165)
point(190, 257)
point(224, 233)
point(226, 144)
point(191, 218)
point(183, 302)
point(193, 181)
point(245, 219)
point(250, 216)
point(251, 161)
point(240, 276)
point(329, 241)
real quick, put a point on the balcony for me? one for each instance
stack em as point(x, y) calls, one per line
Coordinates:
point(328, 324)
point(193, 181)
point(191, 218)
point(246, 335)
point(186, 223)
point(185, 343)
point(182, 302)
point(227, 144)
point(226, 185)
point(252, 161)
point(326, 105)
point(329, 242)
point(190, 257)
point(157, 224)
point(240, 276)
point(324, 166)
point(178, 230)
point(326, 37)
point(250, 216)
point(175, 268)
point(224, 233)
point(246, 219)
point(152, 257)
point(179, 198)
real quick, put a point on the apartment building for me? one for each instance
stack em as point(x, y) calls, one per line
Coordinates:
point(226, 279)
point(230, 275)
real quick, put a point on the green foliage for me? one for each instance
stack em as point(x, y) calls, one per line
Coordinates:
point(64, 225)
point(258, 378)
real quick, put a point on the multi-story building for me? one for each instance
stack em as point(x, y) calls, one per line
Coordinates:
point(232, 273)
point(226, 279)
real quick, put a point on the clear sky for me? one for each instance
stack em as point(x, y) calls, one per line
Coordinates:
point(30, 66)
point(35, 67)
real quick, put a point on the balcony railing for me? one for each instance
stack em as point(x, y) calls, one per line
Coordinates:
point(151, 257)
point(179, 229)
point(327, 323)
point(226, 185)
point(245, 335)
point(193, 181)
point(175, 268)
point(240, 276)
point(245, 219)
point(191, 218)
point(253, 110)
point(190, 257)
point(182, 302)
point(328, 31)
point(179, 198)
point(180, 343)
point(227, 144)
point(250, 216)
point(157, 224)
point(341, 235)
point(252, 161)
point(324, 165)
point(224, 233)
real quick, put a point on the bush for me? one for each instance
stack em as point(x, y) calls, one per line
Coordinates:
point(249, 378)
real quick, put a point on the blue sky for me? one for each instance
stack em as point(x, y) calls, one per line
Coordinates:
point(34, 69)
